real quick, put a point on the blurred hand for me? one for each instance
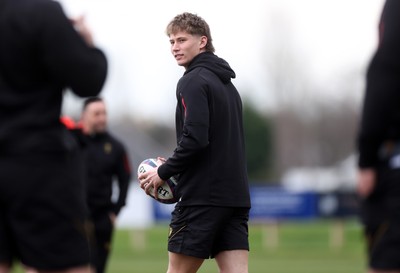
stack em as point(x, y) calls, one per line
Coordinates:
point(113, 218)
point(81, 27)
point(366, 182)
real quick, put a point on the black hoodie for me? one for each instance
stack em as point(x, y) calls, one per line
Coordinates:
point(381, 113)
point(210, 153)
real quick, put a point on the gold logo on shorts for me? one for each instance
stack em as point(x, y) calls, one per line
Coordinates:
point(170, 232)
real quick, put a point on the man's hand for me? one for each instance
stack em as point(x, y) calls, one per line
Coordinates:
point(366, 182)
point(150, 180)
point(113, 218)
point(161, 160)
point(81, 27)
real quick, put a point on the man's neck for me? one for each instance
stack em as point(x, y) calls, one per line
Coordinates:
point(87, 131)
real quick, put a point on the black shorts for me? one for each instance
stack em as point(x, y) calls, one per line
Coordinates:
point(384, 202)
point(203, 231)
point(383, 244)
point(42, 211)
point(381, 218)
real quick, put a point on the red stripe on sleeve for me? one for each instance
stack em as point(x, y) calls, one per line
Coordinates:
point(184, 105)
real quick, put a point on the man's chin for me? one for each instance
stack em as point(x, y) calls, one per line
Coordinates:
point(182, 63)
point(100, 130)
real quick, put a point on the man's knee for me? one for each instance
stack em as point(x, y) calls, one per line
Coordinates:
point(179, 263)
point(233, 261)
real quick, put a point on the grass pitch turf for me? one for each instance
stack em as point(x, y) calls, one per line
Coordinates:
point(294, 247)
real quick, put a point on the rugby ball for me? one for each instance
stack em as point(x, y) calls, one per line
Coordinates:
point(166, 190)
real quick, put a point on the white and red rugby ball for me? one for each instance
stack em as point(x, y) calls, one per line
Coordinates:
point(166, 190)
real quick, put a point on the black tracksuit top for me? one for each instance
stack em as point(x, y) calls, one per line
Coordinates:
point(210, 153)
point(40, 55)
point(381, 108)
point(105, 159)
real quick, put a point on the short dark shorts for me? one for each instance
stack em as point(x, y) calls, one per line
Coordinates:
point(203, 231)
point(381, 218)
point(383, 244)
point(43, 216)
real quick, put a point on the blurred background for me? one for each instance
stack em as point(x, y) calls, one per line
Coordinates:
point(300, 69)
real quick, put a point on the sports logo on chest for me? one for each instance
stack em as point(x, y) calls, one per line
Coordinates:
point(108, 148)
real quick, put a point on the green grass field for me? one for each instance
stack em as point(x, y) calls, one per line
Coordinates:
point(302, 247)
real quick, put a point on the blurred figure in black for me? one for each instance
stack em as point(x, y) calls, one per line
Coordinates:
point(105, 160)
point(379, 147)
point(42, 207)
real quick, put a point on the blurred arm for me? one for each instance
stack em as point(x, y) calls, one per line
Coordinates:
point(68, 57)
point(123, 176)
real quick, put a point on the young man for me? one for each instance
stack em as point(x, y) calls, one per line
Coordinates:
point(106, 160)
point(43, 216)
point(211, 217)
point(379, 148)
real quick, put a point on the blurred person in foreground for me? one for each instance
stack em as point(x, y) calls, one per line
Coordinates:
point(43, 215)
point(106, 161)
point(379, 147)
point(211, 218)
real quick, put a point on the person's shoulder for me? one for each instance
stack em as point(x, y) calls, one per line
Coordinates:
point(33, 6)
point(198, 72)
point(49, 4)
point(196, 76)
point(50, 8)
point(27, 8)
point(37, 12)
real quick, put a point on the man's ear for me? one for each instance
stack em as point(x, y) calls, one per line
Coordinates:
point(203, 42)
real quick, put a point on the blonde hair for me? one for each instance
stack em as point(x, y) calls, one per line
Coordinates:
point(192, 24)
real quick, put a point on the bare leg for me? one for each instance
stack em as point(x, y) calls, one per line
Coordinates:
point(233, 261)
point(179, 263)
